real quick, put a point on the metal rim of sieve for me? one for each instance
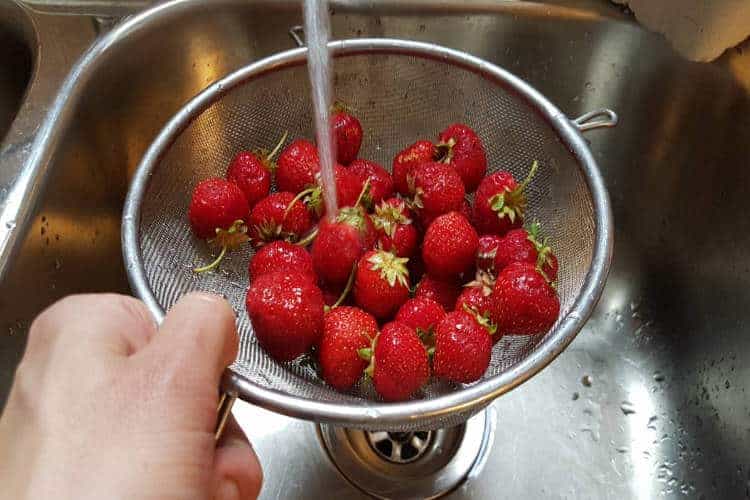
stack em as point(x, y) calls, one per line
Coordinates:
point(376, 414)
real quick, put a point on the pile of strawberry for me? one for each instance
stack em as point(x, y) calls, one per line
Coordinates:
point(407, 279)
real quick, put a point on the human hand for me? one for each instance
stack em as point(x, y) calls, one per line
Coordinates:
point(105, 404)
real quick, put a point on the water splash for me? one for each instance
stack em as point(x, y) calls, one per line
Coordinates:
point(317, 33)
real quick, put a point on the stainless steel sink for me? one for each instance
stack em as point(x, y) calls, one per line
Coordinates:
point(16, 61)
point(649, 401)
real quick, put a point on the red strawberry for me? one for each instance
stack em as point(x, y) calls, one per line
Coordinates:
point(278, 216)
point(348, 189)
point(251, 171)
point(486, 252)
point(340, 243)
point(286, 311)
point(399, 366)
point(463, 348)
point(460, 147)
point(476, 295)
point(297, 166)
point(346, 330)
point(381, 183)
point(347, 132)
point(419, 152)
point(442, 292)
point(381, 284)
point(394, 228)
point(450, 246)
point(518, 245)
point(216, 204)
point(500, 202)
point(437, 189)
point(422, 314)
point(523, 302)
point(281, 256)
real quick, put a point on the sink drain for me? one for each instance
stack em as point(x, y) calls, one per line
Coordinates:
point(418, 464)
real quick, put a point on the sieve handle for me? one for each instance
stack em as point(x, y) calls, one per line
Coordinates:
point(597, 118)
point(226, 401)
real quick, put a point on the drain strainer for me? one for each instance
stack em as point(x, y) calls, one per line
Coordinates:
point(418, 464)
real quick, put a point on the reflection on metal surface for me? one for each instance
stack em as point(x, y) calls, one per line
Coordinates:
point(669, 335)
point(419, 464)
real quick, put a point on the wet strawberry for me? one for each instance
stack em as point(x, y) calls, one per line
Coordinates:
point(348, 189)
point(476, 295)
point(381, 183)
point(523, 302)
point(500, 202)
point(286, 311)
point(281, 256)
point(340, 243)
point(251, 171)
point(519, 245)
point(463, 348)
point(346, 330)
point(486, 251)
point(419, 152)
point(450, 246)
point(436, 189)
point(278, 217)
point(297, 166)
point(216, 204)
point(460, 147)
point(381, 283)
point(347, 132)
point(395, 230)
point(399, 365)
point(423, 315)
point(444, 293)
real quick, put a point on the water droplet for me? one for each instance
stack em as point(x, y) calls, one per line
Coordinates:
point(10, 224)
point(576, 396)
point(622, 449)
point(58, 264)
point(658, 377)
point(627, 408)
point(586, 381)
point(652, 422)
point(726, 384)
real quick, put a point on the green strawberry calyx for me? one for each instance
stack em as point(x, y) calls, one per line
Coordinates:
point(387, 217)
point(444, 151)
point(228, 239)
point(367, 354)
point(483, 319)
point(342, 107)
point(266, 157)
point(544, 251)
point(512, 203)
point(392, 269)
point(484, 280)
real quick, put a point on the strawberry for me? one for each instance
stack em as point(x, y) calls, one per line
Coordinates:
point(216, 205)
point(399, 364)
point(347, 132)
point(394, 228)
point(422, 314)
point(500, 202)
point(297, 166)
point(476, 295)
point(348, 189)
point(450, 246)
point(340, 243)
point(436, 189)
point(286, 311)
point(278, 216)
point(281, 256)
point(460, 147)
point(519, 245)
point(523, 302)
point(251, 171)
point(381, 183)
point(442, 292)
point(463, 347)
point(346, 330)
point(381, 283)
point(419, 152)
point(486, 251)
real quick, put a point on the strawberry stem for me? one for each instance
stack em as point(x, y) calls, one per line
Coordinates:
point(347, 288)
point(297, 198)
point(309, 238)
point(278, 146)
point(529, 176)
point(363, 193)
point(214, 263)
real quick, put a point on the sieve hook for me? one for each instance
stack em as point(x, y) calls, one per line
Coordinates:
point(297, 32)
point(597, 118)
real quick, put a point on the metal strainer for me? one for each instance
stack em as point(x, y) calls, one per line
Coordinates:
point(402, 91)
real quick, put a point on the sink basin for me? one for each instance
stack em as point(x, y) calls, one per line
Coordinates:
point(16, 61)
point(649, 401)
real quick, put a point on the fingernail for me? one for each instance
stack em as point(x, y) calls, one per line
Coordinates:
point(228, 490)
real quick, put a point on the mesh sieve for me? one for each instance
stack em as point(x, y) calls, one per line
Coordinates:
point(402, 91)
